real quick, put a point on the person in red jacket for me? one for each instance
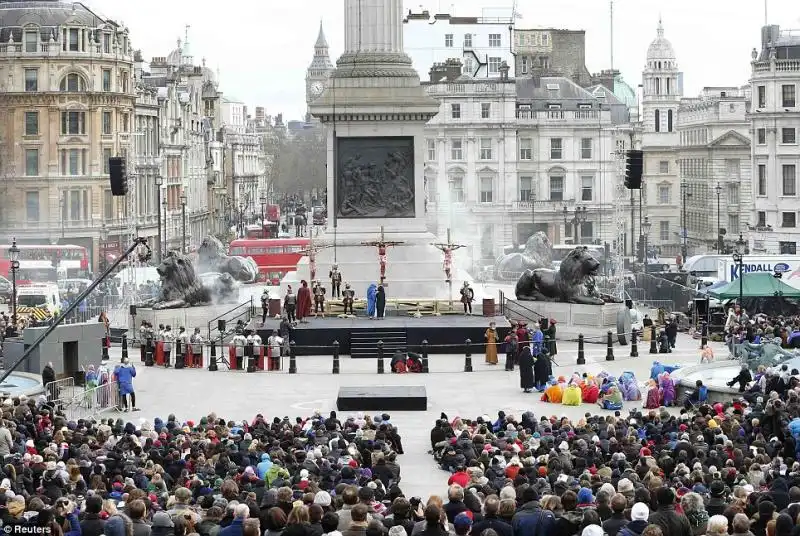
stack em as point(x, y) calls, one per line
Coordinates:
point(460, 477)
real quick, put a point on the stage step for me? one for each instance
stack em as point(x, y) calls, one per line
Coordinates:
point(364, 342)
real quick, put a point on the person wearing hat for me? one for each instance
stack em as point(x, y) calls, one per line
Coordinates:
point(467, 297)
point(348, 298)
point(462, 524)
point(668, 520)
point(124, 373)
point(639, 515)
point(530, 517)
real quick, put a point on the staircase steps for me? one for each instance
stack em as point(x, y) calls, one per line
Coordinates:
point(364, 342)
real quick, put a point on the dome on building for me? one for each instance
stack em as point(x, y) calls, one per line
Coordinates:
point(624, 92)
point(175, 58)
point(47, 14)
point(660, 48)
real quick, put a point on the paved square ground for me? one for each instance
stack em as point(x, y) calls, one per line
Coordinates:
point(192, 393)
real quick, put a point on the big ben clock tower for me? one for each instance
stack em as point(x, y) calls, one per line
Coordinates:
point(320, 69)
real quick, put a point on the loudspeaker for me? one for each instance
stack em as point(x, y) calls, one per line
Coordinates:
point(221, 325)
point(133, 310)
point(118, 176)
point(633, 169)
point(701, 306)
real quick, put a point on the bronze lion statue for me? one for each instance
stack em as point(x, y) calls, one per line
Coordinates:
point(538, 253)
point(573, 282)
point(211, 257)
point(180, 286)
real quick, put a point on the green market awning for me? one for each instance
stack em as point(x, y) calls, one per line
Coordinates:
point(755, 285)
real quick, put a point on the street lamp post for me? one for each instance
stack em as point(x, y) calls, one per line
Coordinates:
point(183, 223)
point(13, 253)
point(263, 200)
point(241, 220)
point(645, 233)
point(685, 238)
point(159, 182)
point(738, 258)
point(575, 221)
point(165, 204)
point(718, 190)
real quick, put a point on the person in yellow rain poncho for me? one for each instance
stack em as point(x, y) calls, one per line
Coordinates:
point(572, 395)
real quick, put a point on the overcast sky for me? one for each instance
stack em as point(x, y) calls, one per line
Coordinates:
point(263, 47)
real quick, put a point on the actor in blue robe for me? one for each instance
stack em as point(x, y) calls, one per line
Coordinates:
point(372, 295)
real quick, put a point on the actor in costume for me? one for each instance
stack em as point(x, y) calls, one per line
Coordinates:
point(319, 298)
point(336, 281)
point(182, 341)
point(169, 338)
point(303, 301)
point(512, 349)
point(237, 345)
point(467, 297)
point(380, 302)
point(196, 340)
point(551, 334)
point(290, 304)
point(255, 339)
point(274, 343)
point(125, 373)
point(491, 343)
point(264, 306)
point(348, 297)
point(526, 381)
point(372, 295)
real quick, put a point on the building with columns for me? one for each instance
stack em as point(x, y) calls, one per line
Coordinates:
point(67, 102)
point(774, 124)
point(662, 89)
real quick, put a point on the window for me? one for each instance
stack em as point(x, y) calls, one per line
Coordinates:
point(108, 205)
point(31, 162)
point(788, 136)
point(663, 167)
point(73, 45)
point(788, 219)
point(789, 180)
point(486, 148)
point(106, 79)
point(761, 219)
point(32, 206)
point(657, 117)
point(448, 40)
point(587, 185)
point(761, 136)
point(526, 189)
point(788, 248)
point(495, 40)
point(455, 111)
point(587, 231)
point(525, 149)
point(107, 123)
point(733, 223)
point(107, 43)
point(74, 161)
point(72, 82)
point(31, 123)
point(457, 189)
point(762, 179)
point(31, 79)
point(524, 64)
point(669, 120)
point(31, 41)
point(468, 40)
point(733, 194)
point(469, 65)
point(73, 123)
point(124, 78)
point(586, 148)
point(663, 231)
point(487, 189)
point(486, 110)
point(664, 194)
point(556, 188)
point(787, 95)
point(432, 150)
point(106, 156)
point(456, 152)
point(555, 148)
point(762, 96)
point(494, 64)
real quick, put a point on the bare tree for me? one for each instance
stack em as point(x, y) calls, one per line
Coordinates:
point(299, 164)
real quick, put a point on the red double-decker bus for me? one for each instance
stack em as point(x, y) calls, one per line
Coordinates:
point(273, 256)
point(46, 263)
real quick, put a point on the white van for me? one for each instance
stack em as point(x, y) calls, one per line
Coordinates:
point(40, 295)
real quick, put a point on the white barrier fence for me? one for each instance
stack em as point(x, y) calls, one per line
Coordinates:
point(63, 388)
point(90, 402)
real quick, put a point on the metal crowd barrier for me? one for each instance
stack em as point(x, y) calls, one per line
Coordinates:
point(63, 388)
point(89, 403)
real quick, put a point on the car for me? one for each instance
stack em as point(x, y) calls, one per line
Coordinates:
point(5, 289)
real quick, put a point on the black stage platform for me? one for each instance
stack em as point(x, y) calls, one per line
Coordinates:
point(358, 337)
point(383, 398)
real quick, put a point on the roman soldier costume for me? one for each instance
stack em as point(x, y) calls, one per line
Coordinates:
point(336, 281)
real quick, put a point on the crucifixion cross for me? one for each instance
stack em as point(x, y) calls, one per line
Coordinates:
point(448, 249)
point(382, 244)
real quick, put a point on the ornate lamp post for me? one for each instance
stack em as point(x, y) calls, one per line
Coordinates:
point(575, 221)
point(718, 190)
point(738, 258)
point(645, 233)
point(263, 200)
point(241, 220)
point(685, 232)
point(13, 253)
point(165, 204)
point(183, 223)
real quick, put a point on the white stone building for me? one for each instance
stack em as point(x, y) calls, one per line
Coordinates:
point(714, 164)
point(482, 44)
point(775, 121)
point(662, 89)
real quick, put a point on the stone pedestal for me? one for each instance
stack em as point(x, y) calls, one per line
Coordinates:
point(569, 314)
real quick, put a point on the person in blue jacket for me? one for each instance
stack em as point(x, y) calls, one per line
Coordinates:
point(263, 466)
point(125, 374)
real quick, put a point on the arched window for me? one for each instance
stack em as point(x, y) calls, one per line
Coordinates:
point(658, 120)
point(659, 64)
point(658, 86)
point(73, 83)
point(669, 121)
point(669, 89)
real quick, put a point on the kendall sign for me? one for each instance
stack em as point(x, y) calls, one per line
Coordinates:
point(778, 267)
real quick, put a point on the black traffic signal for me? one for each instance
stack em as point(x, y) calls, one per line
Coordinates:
point(634, 162)
point(118, 175)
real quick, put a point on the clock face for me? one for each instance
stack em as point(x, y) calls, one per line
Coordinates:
point(317, 88)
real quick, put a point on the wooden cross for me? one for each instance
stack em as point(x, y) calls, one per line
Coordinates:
point(382, 244)
point(311, 251)
point(448, 249)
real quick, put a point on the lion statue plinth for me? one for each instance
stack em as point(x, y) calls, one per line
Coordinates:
point(180, 286)
point(211, 257)
point(224, 289)
point(538, 253)
point(573, 282)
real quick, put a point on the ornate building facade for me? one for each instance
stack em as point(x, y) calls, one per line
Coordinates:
point(67, 101)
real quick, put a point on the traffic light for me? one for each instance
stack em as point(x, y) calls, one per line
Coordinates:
point(634, 162)
point(118, 175)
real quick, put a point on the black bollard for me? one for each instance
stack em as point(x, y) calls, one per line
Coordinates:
point(336, 357)
point(634, 343)
point(105, 349)
point(124, 346)
point(653, 341)
point(581, 353)
point(468, 356)
point(381, 369)
point(212, 358)
point(180, 355)
point(292, 358)
point(425, 356)
point(703, 334)
point(610, 346)
point(148, 352)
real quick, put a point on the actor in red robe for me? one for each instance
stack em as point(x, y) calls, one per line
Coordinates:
point(303, 301)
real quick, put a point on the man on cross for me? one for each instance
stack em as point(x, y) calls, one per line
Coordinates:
point(382, 244)
point(448, 250)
